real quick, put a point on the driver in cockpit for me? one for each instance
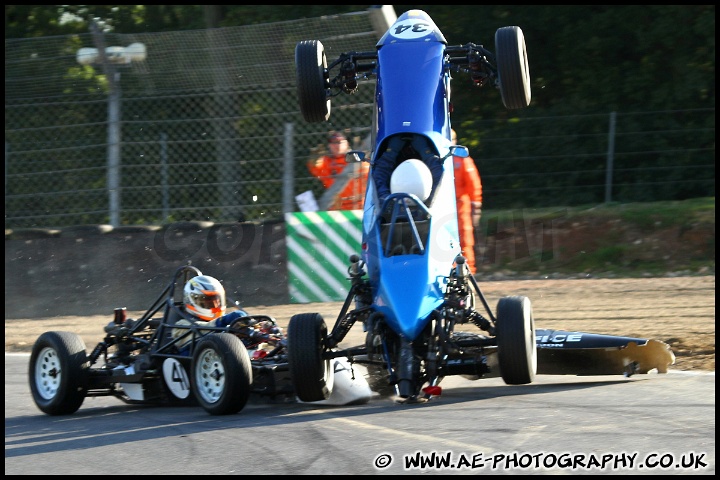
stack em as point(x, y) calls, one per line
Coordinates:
point(402, 147)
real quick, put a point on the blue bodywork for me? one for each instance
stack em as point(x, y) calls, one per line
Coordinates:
point(410, 286)
point(412, 97)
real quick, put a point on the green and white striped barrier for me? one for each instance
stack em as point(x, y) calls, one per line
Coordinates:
point(319, 245)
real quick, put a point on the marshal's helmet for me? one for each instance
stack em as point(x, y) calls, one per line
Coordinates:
point(204, 297)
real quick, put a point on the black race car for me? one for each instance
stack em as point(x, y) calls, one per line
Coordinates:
point(166, 357)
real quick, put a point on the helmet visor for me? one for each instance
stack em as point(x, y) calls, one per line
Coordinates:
point(209, 300)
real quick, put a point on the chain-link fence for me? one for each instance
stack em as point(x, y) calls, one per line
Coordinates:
point(590, 159)
point(208, 127)
point(203, 129)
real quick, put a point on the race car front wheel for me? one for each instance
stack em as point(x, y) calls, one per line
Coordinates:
point(221, 374)
point(312, 376)
point(517, 350)
point(58, 373)
point(513, 68)
point(313, 81)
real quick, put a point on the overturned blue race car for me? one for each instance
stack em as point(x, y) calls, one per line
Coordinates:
point(423, 313)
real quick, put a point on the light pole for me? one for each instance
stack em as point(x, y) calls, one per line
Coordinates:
point(109, 58)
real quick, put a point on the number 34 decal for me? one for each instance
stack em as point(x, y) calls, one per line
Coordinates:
point(412, 30)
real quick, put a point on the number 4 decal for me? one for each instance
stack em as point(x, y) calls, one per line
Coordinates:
point(180, 376)
point(176, 378)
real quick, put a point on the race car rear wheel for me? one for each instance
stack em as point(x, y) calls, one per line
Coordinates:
point(513, 68)
point(312, 376)
point(515, 330)
point(221, 374)
point(313, 81)
point(58, 373)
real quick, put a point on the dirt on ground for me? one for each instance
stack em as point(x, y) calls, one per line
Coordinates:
point(679, 311)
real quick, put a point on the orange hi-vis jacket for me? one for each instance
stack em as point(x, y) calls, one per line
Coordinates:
point(468, 189)
point(328, 167)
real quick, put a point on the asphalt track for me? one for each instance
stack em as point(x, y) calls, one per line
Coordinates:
point(646, 424)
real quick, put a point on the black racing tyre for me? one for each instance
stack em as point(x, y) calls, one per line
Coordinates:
point(515, 331)
point(313, 81)
point(513, 68)
point(221, 374)
point(312, 376)
point(58, 373)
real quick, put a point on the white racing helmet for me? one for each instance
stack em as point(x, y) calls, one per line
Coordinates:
point(204, 297)
point(412, 176)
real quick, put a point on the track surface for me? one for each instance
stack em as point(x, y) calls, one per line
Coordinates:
point(485, 426)
point(645, 418)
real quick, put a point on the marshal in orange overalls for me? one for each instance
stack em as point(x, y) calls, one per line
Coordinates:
point(468, 194)
point(328, 167)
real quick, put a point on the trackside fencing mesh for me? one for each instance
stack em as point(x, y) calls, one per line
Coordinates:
point(204, 128)
point(207, 128)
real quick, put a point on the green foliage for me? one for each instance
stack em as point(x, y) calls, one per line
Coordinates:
point(656, 215)
point(582, 58)
point(642, 215)
point(629, 240)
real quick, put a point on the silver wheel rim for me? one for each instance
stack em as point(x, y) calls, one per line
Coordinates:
point(48, 373)
point(329, 375)
point(210, 375)
point(530, 336)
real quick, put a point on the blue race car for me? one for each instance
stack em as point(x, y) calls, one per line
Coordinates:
point(410, 288)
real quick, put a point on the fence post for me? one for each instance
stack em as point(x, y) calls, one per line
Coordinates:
point(610, 158)
point(288, 169)
point(114, 139)
point(113, 133)
point(7, 149)
point(164, 177)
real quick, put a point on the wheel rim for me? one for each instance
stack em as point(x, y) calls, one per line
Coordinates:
point(530, 339)
point(48, 374)
point(328, 364)
point(328, 374)
point(210, 374)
